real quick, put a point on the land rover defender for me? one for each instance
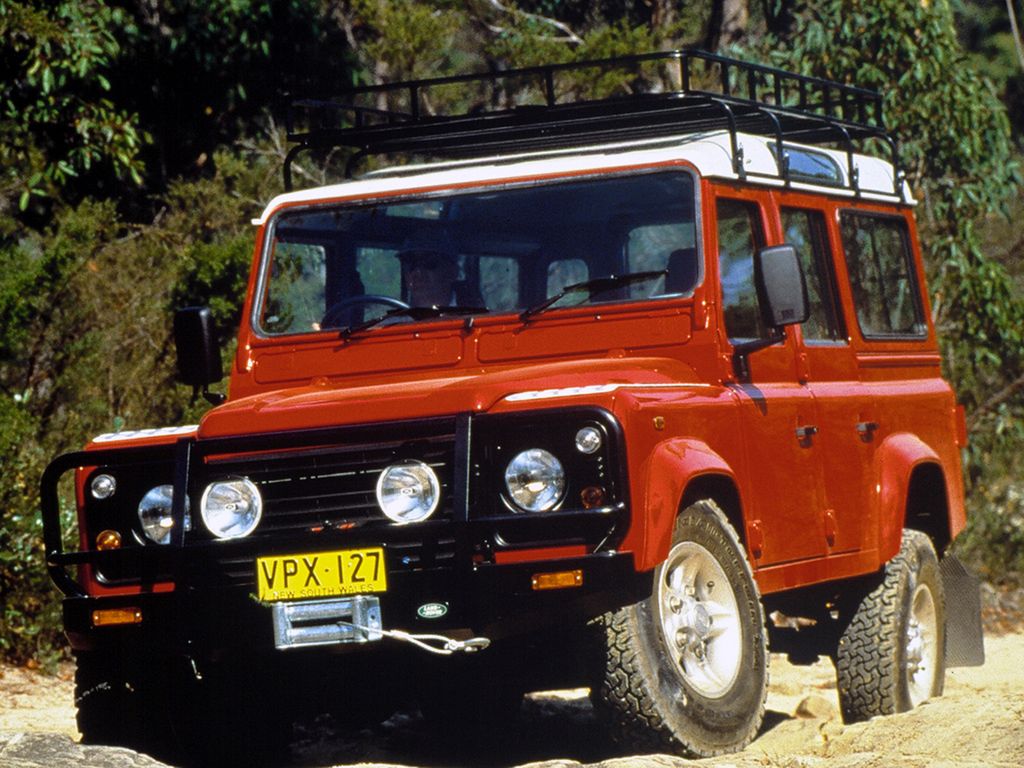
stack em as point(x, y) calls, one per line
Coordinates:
point(618, 392)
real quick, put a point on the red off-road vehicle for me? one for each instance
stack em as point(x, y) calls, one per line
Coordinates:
point(581, 405)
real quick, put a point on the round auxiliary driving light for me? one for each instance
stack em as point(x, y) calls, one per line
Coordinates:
point(588, 440)
point(408, 492)
point(103, 486)
point(155, 514)
point(535, 480)
point(232, 508)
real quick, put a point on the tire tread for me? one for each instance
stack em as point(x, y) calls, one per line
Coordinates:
point(633, 708)
point(868, 669)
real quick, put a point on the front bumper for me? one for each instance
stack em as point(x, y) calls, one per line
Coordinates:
point(489, 600)
point(469, 568)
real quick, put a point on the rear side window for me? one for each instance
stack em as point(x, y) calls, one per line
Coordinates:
point(882, 277)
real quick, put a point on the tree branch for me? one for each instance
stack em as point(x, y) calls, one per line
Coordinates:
point(568, 35)
point(996, 400)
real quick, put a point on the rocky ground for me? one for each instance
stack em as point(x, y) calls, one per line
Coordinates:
point(978, 722)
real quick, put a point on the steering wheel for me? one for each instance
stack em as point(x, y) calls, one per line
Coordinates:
point(334, 312)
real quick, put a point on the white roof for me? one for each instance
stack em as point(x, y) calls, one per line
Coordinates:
point(710, 153)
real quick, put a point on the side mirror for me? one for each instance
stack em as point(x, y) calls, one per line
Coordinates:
point(781, 287)
point(198, 352)
point(782, 296)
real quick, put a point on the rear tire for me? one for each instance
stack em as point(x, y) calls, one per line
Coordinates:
point(686, 670)
point(892, 654)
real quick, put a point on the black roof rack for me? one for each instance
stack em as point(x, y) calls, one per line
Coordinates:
point(535, 108)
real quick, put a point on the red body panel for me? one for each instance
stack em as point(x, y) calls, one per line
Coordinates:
point(827, 506)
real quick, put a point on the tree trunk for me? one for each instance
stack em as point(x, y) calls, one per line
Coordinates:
point(728, 23)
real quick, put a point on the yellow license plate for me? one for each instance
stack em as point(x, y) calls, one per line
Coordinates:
point(321, 574)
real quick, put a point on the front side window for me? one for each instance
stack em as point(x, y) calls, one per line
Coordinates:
point(882, 277)
point(739, 236)
point(489, 250)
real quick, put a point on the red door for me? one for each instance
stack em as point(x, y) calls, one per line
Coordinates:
point(782, 482)
point(846, 413)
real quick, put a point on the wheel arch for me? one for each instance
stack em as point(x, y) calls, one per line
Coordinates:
point(722, 490)
point(682, 471)
point(912, 492)
point(928, 504)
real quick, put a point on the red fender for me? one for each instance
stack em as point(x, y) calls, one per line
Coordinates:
point(894, 463)
point(672, 466)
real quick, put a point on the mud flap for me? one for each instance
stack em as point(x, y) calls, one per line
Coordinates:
point(964, 635)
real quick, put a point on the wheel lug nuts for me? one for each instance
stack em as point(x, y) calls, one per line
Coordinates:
point(675, 604)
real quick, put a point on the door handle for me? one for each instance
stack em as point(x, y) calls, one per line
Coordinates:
point(806, 432)
point(866, 429)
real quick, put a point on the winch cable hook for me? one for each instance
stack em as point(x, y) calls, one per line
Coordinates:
point(447, 646)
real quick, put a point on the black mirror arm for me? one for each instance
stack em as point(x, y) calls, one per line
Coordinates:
point(213, 398)
point(742, 352)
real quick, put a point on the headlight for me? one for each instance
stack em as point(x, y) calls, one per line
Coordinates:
point(408, 492)
point(155, 514)
point(589, 440)
point(535, 480)
point(103, 486)
point(231, 508)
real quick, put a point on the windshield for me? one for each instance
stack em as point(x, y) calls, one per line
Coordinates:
point(493, 250)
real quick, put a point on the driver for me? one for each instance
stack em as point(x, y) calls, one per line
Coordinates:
point(429, 276)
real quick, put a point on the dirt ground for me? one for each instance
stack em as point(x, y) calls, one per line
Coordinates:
point(979, 721)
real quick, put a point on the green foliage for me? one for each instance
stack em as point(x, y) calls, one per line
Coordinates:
point(85, 347)
point(100, 95)
point(30, 617)
point(57, 120)
point(994, 540)
point(200, 74)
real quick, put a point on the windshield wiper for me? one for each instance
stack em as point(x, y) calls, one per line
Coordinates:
point(596, 286)
point(413, 313)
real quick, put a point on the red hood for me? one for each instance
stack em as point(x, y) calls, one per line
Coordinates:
point(324, 404)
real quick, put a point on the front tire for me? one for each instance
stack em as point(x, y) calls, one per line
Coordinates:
point(686, 670)
point(107, 704)
point(159, 706)
point(892, 654)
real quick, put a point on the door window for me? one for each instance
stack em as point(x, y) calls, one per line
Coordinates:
point(806, 231)
point(739, 236)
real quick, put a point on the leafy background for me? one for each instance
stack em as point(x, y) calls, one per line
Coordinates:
point(139, 137)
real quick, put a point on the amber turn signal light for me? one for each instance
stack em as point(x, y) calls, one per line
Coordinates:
point(108, 540)
point(558, 580)
point(592, 496)
point(109, 617)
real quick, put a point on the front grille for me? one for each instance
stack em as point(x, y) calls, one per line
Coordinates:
point(333, 485)
point(328, 490)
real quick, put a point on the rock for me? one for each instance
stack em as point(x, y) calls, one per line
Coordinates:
point(47, 750)
point(815, 708)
